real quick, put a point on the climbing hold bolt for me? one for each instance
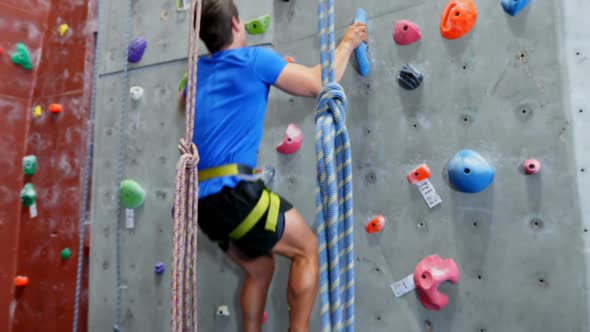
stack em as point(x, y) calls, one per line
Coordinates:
point(223, 311)
point(159, 268)
point(55, 108)
point(419, 174)
point(292, 140)
point(136, 49)
point(362, 51)
point(469, 172)
point(136, 92)
point(22, 57)
point(458, 18)
point(37, 111)
point(532, 166)
point(429, 274)
point(21, 281)
point(30, 164)
point(258, 25)
point(406, 32)
point(513, 7)
point(376, 224)
point(63, 29)
point(132, 194)
point(409, 77)
point(65, 254)
point(28, 196)
point(264, 317)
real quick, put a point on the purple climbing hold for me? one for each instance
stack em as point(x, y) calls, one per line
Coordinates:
point(136, 49)
point(159, 268)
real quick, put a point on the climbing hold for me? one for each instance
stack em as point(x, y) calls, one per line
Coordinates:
point(30, 164)
point(182, 84)
point(132, 194)
point(21, 281)
point(419, 174)
point(258, 25)
point(63, 29)
point(55, 108)
point(22, 57)
point(292, 140)
point(362, 51)
point(223, 311)
point(406, 32)
point(469, 172)
point(429, 274)
point(458, 18)
point(532, 166)
point(28, 196)
point(409, 77)
point(290, 59)
point(159, 268)
point(65, 254)
point(513, 7)
point(37, 111)
point(136, 49)
point(136, 92)
point(376, 224)
point(264, 318)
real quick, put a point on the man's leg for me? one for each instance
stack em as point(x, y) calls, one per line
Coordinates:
point(259, 273)
point(299, 244)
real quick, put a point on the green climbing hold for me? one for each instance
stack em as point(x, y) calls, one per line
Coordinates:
point(66, 254)
point(22, 57)
point(28, 195)
point(183, 82)
point(30, 165)
point(132, 194)
point(258, 25)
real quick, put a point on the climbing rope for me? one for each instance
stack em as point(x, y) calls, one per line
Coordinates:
point(184, 256)
point(87, 168)
point(334, 189)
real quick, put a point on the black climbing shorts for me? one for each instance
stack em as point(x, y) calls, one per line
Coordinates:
point(221, 213)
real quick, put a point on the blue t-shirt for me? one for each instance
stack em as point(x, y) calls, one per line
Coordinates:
point(232, 94)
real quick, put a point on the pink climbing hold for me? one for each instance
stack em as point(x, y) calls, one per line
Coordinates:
point(264, 317)
point(532, 166)
point(429, 274)
point(292, 140)
point(406, 32)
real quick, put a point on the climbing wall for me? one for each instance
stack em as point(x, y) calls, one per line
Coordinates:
point(503, 90)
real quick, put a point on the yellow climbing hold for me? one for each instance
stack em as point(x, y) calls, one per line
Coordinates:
point(37, 111)
point(62, 29)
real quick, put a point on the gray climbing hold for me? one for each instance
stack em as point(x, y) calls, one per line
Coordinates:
point(409, 77)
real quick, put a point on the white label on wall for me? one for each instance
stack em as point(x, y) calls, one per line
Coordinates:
point(129, 218)
point(403, 286)
point(33, 210)
point(429, 194)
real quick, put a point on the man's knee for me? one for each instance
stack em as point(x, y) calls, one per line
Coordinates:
point(311, 247)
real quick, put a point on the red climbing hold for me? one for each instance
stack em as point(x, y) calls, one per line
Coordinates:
point(292, 140)
point(532, 166)
point(21, 281)
point(376, 224)
point(458, 18)
point(55, 108)
point(419, 174)
point(264, 317)
point(429, 274)
point(406, 32)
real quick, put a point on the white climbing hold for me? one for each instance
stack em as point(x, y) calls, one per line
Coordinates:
point(223, 311)
point(136, 93)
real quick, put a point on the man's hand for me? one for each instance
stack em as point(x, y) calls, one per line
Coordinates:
point(356, 34)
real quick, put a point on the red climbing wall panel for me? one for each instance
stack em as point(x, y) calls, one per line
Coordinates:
point(62, 74)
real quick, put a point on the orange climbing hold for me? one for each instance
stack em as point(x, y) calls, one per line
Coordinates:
point(376, 224)
point(21, 281)
point(419, 174)
point(289, 59)
point(55, 108)
point(458, 18)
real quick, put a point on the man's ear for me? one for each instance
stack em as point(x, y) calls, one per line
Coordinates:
point(236, 25)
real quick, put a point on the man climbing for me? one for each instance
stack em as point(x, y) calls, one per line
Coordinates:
point(247, 220)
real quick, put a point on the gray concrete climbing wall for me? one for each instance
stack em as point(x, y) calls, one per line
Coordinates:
point(511, 89)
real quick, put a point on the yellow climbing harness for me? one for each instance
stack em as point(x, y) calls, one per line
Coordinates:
point(268, 201)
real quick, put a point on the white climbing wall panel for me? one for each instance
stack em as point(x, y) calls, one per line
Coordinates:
point(520, 245)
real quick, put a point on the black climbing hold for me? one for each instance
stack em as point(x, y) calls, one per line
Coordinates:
point(409, 77)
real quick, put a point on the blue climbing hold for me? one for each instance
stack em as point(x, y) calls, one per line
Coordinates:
point(362, 51)
point(136, 49)
point(469, 172)
point(513, 7)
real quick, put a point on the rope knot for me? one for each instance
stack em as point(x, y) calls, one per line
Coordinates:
point(332, 100)
point(190, 152)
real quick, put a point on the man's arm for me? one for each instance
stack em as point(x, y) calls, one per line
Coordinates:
point(304, 81)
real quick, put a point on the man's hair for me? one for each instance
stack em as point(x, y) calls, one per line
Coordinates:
point(216, 23)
